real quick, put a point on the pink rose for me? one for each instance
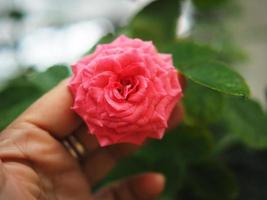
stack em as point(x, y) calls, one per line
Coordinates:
point(125, 91)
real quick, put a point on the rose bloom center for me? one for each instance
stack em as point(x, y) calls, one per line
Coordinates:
point(124, 87)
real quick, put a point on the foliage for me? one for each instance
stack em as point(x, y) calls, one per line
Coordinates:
point(149, 24)
point(23, 90)
point(208, 156)
point(246, 121)
point(196, 61)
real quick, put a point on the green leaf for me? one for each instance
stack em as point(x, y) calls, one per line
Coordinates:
point(50, 78)
point(8, 114)
point(18, 94)
point(22, 91)
point(217, 76)
point(170, 156)
point(16, 90)
point(188, 52)
point(126, 167)
point(156, 22)
point(184, 144)
point(202, 105)
point(200, 64)
point(246, 121)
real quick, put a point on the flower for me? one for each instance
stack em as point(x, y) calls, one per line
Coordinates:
point(125, 91)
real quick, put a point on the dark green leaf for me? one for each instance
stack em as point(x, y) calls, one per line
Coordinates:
point(126, 167)
point(8, 114)
point(18, 94)
point(199, 63)
point(188, 52)
point(217, 76)
point(169, 156)
point(246, 121)
point(202, 105)
point(16, 90)
point(25, 89)
point(184, 144)
point(156, 22)
point(48, 79)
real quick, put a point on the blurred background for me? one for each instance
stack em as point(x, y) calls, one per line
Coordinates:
point(46, 32)
point(219, 151)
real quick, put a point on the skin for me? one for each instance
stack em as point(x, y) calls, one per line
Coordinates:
point(34, 165)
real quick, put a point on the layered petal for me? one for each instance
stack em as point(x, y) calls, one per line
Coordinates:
point(125, 91)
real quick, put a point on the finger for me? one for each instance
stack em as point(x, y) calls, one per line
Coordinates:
point(2, 176)
point(142, 187)
point(176, 116)
point(88, 140)
point(182, 80)
point(52, 112)
point(99, 163)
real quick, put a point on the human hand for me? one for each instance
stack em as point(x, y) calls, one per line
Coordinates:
point(35, 165)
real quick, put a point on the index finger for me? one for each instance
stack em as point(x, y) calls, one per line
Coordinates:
point(52, 112)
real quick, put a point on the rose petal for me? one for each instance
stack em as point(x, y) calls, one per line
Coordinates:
point(125, 91)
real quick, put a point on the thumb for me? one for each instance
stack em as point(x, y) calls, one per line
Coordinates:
point(2, 176)
point(142, 187)
point(176, 117)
